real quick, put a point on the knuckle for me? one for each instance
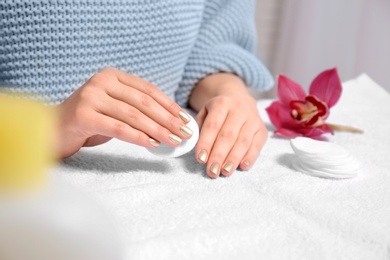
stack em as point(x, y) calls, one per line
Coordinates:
point(204, 144)
point(100, 78)
point(221, 101)
point(238, 104)
point(227, 134)
point(257, 123)
point(217, 156)
point(139, 138)
point(90, 96)
point(119, 129)
point(132, 113)
point(86, 93)
point(211, 126)
point(172, 105)
point(261, 137)
point(258, 146)
point(149, 88)
point(245, 141)
point(255, 149)
point(146, 100)
point(173, 121)
point(233, 158)
point(225, 101)
point(160, 131)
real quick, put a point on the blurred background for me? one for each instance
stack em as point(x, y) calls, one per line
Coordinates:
point(301, 38)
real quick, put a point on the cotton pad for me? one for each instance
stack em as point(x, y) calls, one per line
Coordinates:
point(186, 146)
point(323, 159)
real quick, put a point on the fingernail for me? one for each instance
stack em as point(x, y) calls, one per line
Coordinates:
point(186, 131)
point(214, 168)
point(175, 139)
point(246, 162)
point(154, 142)
point(228, 167)
point(203, 156)
point(184, 116)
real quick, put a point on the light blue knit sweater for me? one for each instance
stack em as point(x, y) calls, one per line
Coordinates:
point(52, 47)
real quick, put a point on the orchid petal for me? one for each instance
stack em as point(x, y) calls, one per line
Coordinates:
point(327, 129)
point(273, 113)
point(280, 115)
point(322, 107)
point(317, 131)
point(327, 87)
point(320, 138)
point(284, 132)
point(288, 90)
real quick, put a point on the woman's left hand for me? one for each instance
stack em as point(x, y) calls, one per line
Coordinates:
point(232, 134)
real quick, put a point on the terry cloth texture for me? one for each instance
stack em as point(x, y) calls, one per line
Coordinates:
point(168, 209)
point(51, 48)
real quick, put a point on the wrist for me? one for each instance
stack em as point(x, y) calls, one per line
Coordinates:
point(220, 84)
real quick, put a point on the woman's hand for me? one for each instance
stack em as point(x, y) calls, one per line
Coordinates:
point(232, 133)
point(114, 104)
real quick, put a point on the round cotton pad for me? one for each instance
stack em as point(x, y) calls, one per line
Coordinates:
point(323, 159)
point(314, 148)
point(318, 173)
point(186, 146)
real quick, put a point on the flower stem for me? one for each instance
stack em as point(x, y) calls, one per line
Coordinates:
point(345, 128)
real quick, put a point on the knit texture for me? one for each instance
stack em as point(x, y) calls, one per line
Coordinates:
point(51, 48)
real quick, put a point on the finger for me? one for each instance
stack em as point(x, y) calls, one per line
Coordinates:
point(208, 133)
point(224, 142)
point(139, 121)
point(149, 107)
point(96, 140)
point(240, 148)
point(254, 150)
point(151, 90)
point(108, 126)
point(200, 117)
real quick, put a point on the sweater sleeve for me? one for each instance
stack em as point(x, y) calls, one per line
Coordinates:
point(226, 43)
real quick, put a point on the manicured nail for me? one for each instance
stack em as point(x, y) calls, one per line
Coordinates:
point(214, 168)
point(186, 131)
point(184, 116)
point(175, 139)
point(228, 167)
point(203, 156)
point(154, 142)
point(246, 162)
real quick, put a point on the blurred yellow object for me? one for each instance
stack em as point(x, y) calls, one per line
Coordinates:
point(26, 143)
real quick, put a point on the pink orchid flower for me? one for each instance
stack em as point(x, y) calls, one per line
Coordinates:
point(297, 114)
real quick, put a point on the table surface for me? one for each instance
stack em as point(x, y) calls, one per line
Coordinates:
point(169, 209)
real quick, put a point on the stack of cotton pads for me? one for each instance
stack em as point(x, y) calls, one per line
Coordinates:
point(186, 146)
point(323, 159)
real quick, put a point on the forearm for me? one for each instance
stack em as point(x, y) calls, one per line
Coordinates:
point(221, 84)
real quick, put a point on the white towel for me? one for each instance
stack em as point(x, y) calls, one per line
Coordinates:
point(169, 208)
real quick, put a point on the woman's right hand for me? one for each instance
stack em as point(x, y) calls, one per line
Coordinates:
point(114, 104)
